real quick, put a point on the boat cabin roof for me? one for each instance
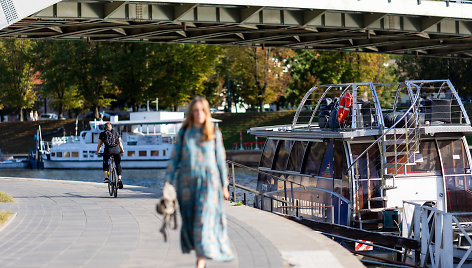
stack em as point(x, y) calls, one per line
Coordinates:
point(371, 109)
point(144, 122)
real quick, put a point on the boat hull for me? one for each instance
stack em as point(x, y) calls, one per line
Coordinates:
point(9, 164)
point(97, 164)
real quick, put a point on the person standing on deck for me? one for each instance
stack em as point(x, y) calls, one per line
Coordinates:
point(198, 172)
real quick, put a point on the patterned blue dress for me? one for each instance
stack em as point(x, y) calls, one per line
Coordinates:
point(201, 174)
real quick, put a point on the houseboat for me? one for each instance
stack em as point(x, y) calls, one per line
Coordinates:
point(381, 165)
point(147, 138)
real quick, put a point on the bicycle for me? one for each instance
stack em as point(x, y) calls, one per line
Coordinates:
point(112, 177)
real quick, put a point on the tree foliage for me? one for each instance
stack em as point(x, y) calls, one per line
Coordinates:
point(92, 64)
point(309, 68)
point(55, 63)
point(254, 75)
point(179, 72)
point(17, 75)
point(93, 75)
point(424, 68)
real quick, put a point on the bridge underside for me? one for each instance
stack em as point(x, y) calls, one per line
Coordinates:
point(248, 25)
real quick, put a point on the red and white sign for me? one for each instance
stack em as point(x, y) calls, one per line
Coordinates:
point(364, 247)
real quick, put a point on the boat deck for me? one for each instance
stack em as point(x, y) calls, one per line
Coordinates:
point(303, 132)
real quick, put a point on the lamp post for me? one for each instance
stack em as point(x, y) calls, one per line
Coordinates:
point(157, 104)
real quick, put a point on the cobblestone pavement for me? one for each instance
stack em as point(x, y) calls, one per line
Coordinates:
point(77, 224)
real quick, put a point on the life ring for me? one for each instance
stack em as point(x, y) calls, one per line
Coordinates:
point(344, 107)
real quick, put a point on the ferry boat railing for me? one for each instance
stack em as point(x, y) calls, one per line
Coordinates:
point(431, 104)
point(379, 139)
point(440, 234)
point(285, 202)
point(323, 102)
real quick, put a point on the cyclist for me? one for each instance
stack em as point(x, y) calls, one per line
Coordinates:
point(113, 146)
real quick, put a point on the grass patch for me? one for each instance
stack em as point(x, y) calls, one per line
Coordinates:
point(5, 198)
point(4, 216)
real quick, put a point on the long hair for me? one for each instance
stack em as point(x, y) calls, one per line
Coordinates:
point(208, 127)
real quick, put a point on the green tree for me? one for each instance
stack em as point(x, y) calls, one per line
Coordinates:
point(17, 75)
point(55, 63)
point(310, 68)
point(180, 72)
point(130, 72)
point(255, 75)
point(92, 64)
point(425, 68)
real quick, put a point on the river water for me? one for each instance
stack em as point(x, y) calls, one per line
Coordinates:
point(153, 178)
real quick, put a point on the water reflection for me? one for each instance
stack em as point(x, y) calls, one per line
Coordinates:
point(153, 178)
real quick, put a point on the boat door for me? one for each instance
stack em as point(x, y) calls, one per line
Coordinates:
point(455, 161)
point(421, 182)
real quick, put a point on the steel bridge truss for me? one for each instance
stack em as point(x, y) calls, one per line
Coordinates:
point(248, 25)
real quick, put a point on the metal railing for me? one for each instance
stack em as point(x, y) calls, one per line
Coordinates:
point(285, 202)
point(436, 230)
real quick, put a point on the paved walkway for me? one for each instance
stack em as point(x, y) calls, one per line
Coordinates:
point(77, 224)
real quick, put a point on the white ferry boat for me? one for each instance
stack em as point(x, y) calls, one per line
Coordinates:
point(394, 176)
point(147, 138)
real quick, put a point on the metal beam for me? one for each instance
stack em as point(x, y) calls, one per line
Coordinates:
point(247, 13)
point(320, 27)
point(413, 48)
point(110, 8)
point(310, 16)
point(249, 41)
point(428, 22)
point(370, 19)
point(182, 10)
point(329, 37)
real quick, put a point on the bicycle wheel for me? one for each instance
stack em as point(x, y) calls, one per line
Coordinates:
point(110, 183)
point(115, 182)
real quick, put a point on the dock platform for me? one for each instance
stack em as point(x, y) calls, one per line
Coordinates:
point(60, 223)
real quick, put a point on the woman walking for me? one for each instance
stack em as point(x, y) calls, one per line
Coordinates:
point(198, 172)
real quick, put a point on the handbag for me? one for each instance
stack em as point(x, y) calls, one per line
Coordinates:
point(167, 207)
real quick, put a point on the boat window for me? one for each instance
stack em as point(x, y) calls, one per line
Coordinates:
point(327, 165)
point(91, 153)
point(85, 154)
point(59, 154)
point(313, 157)
point(281, 154)
point(131, 153)
point(296, 156)
point(427, 160)
point(454, 157)
point(66, 154)
point(154, 153)
point(142, 153)
point(457, 175)
point(268, 153)
point(164, 152)
point(75, 154)
point(340, 162)
point(53, 154)
point(369, 163)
